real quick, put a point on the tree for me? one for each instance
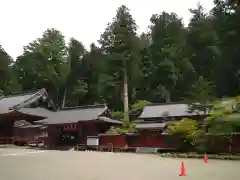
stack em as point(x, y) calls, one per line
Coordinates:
point(186, 128)
point(8, 79)
point(201, 96)
point(118, 42)
point(75, 85)
point(202, 43)
point(225, 15)
point(223, 122)
point(169, 62)
point(139, 104)
point(49, 63)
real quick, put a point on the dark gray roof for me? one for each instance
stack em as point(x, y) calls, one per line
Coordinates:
point(10, 103)
point(150, 125)
point(31, 126)
point(73, 115)
point(39, 111)
point(106, 119)
point(168, 109)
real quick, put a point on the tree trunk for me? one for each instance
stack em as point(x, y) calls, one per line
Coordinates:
point(168, 96)
point(230, 145)
point(64, 98)
point(1, 94)
point(125, 95)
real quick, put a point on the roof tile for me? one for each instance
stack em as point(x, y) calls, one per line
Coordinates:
point(8, 103)
point(73, 115)
point(168, 109)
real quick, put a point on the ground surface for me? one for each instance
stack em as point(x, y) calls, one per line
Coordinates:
point(21, 164)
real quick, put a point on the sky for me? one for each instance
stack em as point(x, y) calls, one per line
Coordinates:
point(22, 21)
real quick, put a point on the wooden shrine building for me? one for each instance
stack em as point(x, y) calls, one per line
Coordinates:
point(10, 110)
point(71, 126)
point(154, 118)
point(33, 116)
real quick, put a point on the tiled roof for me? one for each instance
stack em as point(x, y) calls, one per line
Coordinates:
point(39, 111)
point(150, 125)
point(167, 109)
point(10, 103)
point(31, 126)
point(106, 119)
point(73, 115)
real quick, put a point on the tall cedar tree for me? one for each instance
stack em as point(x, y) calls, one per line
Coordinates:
point(119, 43)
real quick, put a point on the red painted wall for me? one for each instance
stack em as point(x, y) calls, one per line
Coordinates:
point(118, 141)
point(144, 139)
point(236, 143)
point(156, 139)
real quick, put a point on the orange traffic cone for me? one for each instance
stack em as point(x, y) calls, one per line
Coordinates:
point(205, 158)
point(183, 170)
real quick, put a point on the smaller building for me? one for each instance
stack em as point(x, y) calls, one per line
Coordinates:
point(154, 119)
point(72, 125)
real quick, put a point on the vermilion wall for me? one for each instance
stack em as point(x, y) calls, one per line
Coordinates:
point(156, 139)
point(236, 143)
point(144, 139)
point(117, 141)
point(24, 135)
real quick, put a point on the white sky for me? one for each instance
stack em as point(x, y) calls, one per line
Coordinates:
point(24, 20)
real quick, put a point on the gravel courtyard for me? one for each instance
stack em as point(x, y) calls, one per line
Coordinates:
point(23, 164)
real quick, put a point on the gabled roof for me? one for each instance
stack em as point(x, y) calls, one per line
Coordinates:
point(14, 102)
point(167, 110)
point(75, 114)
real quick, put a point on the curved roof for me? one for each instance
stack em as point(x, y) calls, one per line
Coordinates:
point(75, 114)
point(39, 111)
point(14, 102)
point(106, 119)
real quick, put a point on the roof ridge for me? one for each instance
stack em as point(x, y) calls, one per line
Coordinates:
point(83, 107)
point(37, 93)
point(24, 93)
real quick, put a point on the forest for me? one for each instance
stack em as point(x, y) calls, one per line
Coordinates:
point(171, 62)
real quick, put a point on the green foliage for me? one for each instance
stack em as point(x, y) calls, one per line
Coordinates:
point(127, 127)
point(8, 82)
point(167, 63)
point(139, 104)
point(186, 128)
point(117, 114)
point(201, 91)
